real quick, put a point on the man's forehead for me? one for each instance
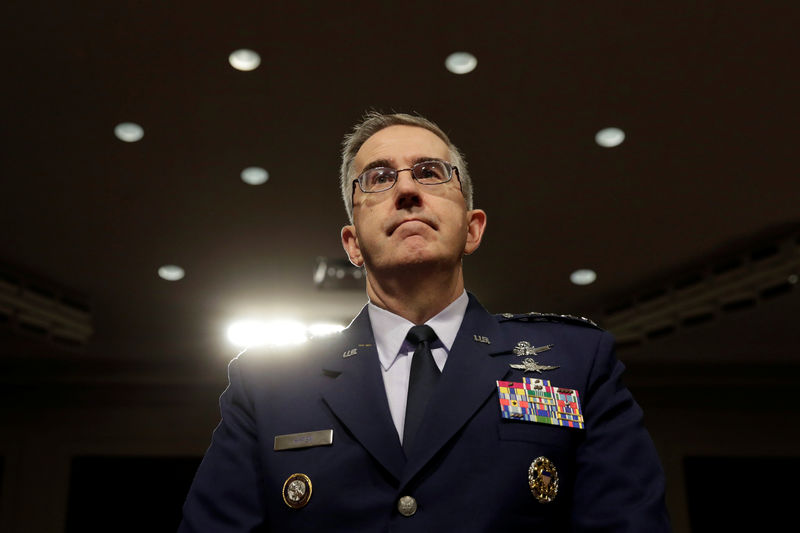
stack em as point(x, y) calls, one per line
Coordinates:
point(401, 144)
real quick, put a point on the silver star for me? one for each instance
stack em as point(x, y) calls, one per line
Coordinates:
point(529, 365)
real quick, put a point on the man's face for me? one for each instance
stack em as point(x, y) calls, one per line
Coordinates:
point(410, 224)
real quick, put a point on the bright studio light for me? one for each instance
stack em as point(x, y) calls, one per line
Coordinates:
point(321, 329)
point(251, 333)
point(244, 59)
point(246, 333)
point(461, 62)
point(609, 137)
point(129, 132)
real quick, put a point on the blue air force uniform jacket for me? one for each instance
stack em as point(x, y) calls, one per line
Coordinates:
point(468, 469)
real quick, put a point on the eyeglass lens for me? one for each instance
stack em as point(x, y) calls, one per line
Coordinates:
point(383, 178)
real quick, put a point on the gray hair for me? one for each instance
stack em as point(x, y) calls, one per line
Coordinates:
point(372, 123)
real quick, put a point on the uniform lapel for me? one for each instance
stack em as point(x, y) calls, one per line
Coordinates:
point(357, 395)
point(467, 381)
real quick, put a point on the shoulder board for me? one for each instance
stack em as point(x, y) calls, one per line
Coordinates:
point(547, 317)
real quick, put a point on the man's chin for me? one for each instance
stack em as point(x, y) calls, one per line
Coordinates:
point(411, 263)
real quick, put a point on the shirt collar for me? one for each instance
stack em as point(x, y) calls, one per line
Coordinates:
point(390, 330)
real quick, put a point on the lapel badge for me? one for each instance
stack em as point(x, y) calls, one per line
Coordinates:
point(481, 338)
point(543, 479)
point(349, 353)
point(529, 365)
point(525, 348)
point(297, 491)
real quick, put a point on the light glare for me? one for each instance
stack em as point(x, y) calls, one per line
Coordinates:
point(583, 276)
point(461, 62)
point(609, 137)
point(249, 333)
point(244, 59)
point(129, 132)
point(171, 272)
point(254, 175)
point(321, 329)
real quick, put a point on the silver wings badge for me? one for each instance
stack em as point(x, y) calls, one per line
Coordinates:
point(529, 365)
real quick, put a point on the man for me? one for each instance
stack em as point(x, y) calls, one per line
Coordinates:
point(427, 413)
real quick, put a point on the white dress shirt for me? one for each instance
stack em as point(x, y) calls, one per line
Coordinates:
point(395, 353)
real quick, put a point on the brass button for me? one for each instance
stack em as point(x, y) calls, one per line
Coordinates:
point(407, 505)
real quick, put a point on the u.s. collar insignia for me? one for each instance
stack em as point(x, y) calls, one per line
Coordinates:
point(525, 348)
point(543, 479)
point(481, 338)
point(297, 491)
point(349, 353)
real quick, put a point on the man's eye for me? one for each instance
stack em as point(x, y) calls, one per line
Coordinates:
point(380, 176)
point(431, 172)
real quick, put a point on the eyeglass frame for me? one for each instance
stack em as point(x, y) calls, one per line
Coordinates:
point(452, 168)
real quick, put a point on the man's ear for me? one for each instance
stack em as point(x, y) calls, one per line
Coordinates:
point(476, 224)
point(350, 245)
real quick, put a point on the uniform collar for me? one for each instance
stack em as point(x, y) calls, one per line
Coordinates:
point(390, 330)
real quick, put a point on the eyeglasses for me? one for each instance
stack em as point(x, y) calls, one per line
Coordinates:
point(381, 179)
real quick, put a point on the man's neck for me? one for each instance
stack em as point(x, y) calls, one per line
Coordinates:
point(417, 298)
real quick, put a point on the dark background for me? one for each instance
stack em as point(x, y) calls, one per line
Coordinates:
point(706, 93)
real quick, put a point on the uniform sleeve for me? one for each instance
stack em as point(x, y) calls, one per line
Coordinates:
point(227, 492)
point(619, 483)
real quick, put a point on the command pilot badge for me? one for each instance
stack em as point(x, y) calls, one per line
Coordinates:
point(297, 491)
point(530, 365)
point(543, 480)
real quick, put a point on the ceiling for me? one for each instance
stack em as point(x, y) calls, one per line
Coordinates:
point(707, 96)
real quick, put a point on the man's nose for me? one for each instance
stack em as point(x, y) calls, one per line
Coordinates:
point(406, 190)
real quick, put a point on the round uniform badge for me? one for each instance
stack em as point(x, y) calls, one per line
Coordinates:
point(543, 479)
point(297, 491)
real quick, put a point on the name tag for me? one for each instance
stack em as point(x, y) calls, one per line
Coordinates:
point(323, 437)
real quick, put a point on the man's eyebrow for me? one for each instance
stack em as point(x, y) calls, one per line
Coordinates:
point(424, 159)
point(389, 164)
point(378, 163)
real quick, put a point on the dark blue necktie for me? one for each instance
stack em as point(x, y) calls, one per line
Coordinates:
point(423, 378)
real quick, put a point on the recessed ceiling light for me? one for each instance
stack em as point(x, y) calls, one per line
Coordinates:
point(461, 62)
point(130, 132)
point(583, 276)
point(244, 59)
point(171, 272)
point(609, 137)
point(254, 175)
